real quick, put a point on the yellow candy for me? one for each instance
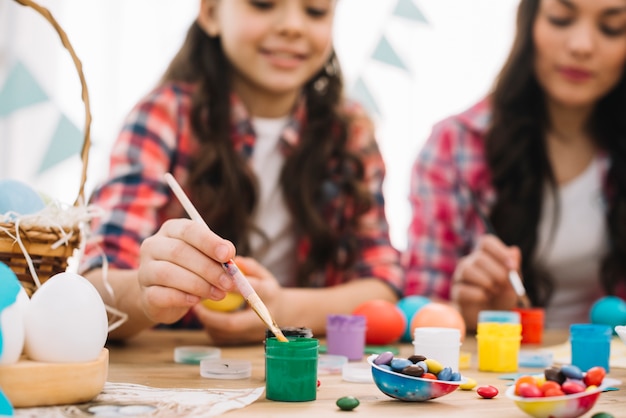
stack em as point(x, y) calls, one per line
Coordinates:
point(434, 366)
point(591, 387)
point(231, 302)
point(469, 385)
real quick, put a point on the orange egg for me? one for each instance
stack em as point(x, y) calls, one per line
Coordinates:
point(438, 315)
point(385, 322)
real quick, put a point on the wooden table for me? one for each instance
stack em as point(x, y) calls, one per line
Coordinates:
point(148, 360)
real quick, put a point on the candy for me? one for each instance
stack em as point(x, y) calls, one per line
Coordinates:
point(347, 403)
point(554, 374)
point(425, 368)
point(433, 365)
point(528, 390)
point(469, 384)
point(487, 391)
point(416, 358)
point(572, 386)
point(594, 376)
point(572, 372)
point(566, 380)
point(423, 365)
point(445, 374)
point(384, 358)
point(413, 370)
point(397, 364)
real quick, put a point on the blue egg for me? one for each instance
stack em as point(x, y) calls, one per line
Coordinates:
point(19, 197)
point(409, 305)
point(609, 310)
point(11, 326)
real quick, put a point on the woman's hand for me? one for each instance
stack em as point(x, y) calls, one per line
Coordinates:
point(179, 266)
point(244, 326)
point(481, 279)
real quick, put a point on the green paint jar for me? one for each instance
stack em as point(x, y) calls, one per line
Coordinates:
point(291, 369)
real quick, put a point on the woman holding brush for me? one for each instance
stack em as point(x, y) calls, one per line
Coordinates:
point(543, 156)
point(251, 120)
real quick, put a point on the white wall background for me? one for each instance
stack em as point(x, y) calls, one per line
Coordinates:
point(124, 46)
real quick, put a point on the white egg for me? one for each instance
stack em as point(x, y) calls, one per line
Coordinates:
point(66, 321)
point(13, 305)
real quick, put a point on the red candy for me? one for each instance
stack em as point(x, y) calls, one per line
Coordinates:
point(570, 387)
point(487, 391)
point(594, 376)
point(528, 390)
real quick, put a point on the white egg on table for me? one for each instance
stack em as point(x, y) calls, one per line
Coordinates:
point(13, 306)
point(66, 321)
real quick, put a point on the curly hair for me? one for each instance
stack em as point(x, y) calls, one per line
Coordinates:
point(223, 186)
point(518, 160)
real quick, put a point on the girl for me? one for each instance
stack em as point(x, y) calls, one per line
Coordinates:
point(544, 156)
point(250, 119)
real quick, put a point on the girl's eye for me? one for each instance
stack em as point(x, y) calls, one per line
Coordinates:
point(262, 5)
point(613, 31)
point(316, 12)
point(559, 21)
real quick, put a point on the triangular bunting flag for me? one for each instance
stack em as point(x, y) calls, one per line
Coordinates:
point(362, 94)
point(408, 10)
point(385, 53)
point(20, 90)
point(66, 142)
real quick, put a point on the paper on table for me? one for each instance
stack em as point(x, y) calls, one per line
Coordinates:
point(563, 353)
point(130, 400)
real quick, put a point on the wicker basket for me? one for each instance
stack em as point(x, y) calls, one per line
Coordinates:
point(40, 242)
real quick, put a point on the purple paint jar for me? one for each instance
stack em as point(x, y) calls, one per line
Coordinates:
point(345, 335)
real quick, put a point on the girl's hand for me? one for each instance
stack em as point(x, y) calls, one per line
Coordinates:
point(244, 326)
point(481, 279)
point(179, 266)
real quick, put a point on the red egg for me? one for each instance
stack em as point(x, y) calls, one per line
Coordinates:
point(438, 315)
point(384, 320)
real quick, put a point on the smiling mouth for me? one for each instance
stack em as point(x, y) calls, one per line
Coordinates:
point(283, 59)
point(575, 74)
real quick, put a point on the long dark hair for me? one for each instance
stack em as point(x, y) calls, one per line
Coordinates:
point(518, 160)
point(224, 188)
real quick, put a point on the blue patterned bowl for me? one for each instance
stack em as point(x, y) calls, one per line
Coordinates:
point(409, 388)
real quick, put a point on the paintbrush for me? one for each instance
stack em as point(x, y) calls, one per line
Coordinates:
point(230, 267)
point(514, 276)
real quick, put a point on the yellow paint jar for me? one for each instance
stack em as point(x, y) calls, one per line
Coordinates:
point(498, 346)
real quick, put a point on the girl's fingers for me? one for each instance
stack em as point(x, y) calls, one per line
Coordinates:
point(172, 260)
point(200, 237)
point(507, 256)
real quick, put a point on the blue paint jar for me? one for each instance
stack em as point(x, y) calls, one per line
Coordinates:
point(591, 345)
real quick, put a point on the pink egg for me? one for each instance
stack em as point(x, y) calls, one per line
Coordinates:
point(438, 315)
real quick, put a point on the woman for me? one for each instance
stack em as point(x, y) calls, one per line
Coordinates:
point(250, 118)
point(544, 155)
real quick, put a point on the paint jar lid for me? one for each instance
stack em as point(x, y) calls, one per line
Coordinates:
point(357, 373)
point(501, 317)
point(330, 363)
point(225, 369)
point(535, 358)
point(194, 354)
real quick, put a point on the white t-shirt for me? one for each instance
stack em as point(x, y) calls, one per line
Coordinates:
point(277, 250)
point(573, 251)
